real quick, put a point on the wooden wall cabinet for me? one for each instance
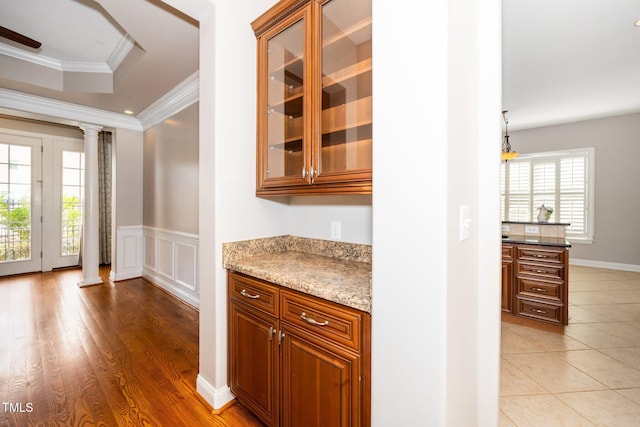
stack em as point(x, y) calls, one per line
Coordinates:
point(538, 284)
point(314, 118)
point(297, 360)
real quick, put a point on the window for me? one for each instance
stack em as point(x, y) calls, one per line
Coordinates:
point(15, 202)
point(72, 192)
point(562, 180)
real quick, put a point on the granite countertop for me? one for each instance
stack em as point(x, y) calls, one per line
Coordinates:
point(536, 240)
point(334, 271)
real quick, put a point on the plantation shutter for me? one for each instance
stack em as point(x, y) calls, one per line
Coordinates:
point(561, 180)
point(519, 195)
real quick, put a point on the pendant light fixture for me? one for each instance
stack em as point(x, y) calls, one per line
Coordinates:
point(507, 154)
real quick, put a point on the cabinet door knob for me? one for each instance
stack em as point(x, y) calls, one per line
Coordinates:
point(311, 321)
point(246, 294)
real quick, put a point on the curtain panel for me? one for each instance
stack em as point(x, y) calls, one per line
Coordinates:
point(104, 196)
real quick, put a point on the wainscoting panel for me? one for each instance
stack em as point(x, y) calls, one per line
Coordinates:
point(171, 262)
point(128, 253)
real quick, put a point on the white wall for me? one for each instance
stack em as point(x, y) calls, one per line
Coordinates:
point(312, 216)
point(126, 193)
point(171, 173)
point(229, 210)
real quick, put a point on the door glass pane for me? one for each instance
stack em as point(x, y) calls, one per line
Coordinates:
point(72, 200)
point(285, 99)
point(346, 86)
point(15, 203)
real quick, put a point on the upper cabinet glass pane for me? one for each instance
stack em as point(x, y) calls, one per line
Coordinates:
point(285, 102)
point(346, 128)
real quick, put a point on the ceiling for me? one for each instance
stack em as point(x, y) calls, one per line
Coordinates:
point(569, 60)
point(563, 60)
point(113, 55)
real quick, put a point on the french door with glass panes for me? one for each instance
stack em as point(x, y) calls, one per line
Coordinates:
point(41, 198)
point(20, 204)
point(63, 248)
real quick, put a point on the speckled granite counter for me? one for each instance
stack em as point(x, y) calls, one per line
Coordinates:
point(335, 271)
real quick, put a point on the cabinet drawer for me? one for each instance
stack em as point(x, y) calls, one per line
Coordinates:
point(254, 293)
point(507, 251)
point(540, 270)
point(539, 310)
point(540, 289)
point(332, 321)
point(544, 254)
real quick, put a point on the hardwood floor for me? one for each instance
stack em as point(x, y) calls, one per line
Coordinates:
point(114, 354)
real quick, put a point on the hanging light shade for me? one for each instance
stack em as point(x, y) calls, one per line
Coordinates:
point(507, 154)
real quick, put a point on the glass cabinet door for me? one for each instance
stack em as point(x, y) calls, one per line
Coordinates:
point(284, 104)
point(344, 143)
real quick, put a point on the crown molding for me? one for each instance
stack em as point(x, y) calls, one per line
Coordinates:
point(65, 110)
point(43, 61)
point(120, 52)
point(174, 101)
point(73, 66)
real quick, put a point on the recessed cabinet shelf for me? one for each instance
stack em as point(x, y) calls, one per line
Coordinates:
point(314, 111)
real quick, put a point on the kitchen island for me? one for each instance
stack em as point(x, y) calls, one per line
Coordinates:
point(535, 275)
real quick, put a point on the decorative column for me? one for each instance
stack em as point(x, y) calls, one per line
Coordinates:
point(90, 233)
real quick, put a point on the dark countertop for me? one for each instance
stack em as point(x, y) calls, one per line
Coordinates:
point(536, 223)
point(536, 240)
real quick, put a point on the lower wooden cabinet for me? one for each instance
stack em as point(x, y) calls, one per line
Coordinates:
point(535, 283)
point(297, 360)
point(507, 278)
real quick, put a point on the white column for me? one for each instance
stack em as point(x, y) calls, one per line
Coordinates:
point(90, 242)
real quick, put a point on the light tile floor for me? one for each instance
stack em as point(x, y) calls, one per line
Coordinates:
point(590, 376)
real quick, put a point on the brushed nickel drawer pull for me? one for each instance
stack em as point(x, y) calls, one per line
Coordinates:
point(540, 290)
point(272, 330)
point(280, 337)
point(311, 321)
point(542, 271)
point(539, 256)
point(537, 310)
point(246, 294)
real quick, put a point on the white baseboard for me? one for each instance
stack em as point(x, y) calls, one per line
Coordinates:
point(177, 291)
point(604, 264)
point(217, 398)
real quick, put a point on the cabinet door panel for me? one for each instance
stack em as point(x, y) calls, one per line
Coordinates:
point(253, 361)
point(320, 383)
point(507, 285)
point(284, 82)
point(343, 150)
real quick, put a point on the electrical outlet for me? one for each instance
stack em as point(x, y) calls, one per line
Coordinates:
point(505, 228)
point(336, 230)
point(531, 229)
